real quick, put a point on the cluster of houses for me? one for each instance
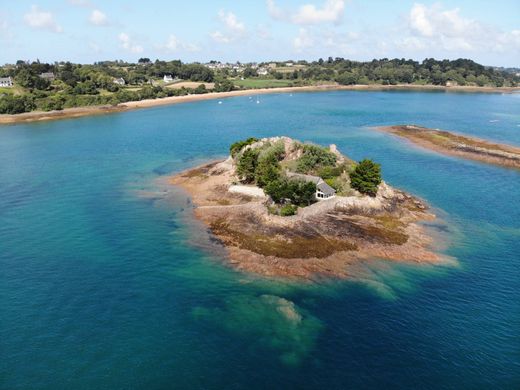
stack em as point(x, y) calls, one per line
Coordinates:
point(7, 82)
point(239, 67)
point(167, 78)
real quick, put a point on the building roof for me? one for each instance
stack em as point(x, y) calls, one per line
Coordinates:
point(320, 183)
point(47, 75)
point(325, 188)
point(4, 79)
point(314, 179)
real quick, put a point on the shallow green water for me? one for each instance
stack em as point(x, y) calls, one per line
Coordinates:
point(106, 280)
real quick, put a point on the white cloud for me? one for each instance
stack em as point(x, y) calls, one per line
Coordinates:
point(5, 31)
point(128, 44)
point(275, 11)
point(80, 3)
point(173, 44)
point(94, 47)
point(231, 22)
point(40, 19)
point(303, 40)
point(98, 18)
point(234, 29)
point(217, 36)
point(419, 21)
point(434, 28)
point(330, 12)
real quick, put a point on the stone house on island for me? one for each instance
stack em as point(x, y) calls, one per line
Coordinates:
point(323, 190)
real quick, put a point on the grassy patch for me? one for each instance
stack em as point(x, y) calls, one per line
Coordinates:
point(262, 83)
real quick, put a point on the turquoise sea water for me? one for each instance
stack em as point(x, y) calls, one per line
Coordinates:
point(106, 283)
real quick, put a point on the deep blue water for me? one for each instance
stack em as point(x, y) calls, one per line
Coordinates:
point(103, 286)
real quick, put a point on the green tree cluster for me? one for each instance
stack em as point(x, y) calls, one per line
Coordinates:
point(315, 157)
point(298, 192)
point(366, 177)
point(236, 147)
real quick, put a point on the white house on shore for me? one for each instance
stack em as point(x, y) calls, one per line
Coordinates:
point(120, 81)
point(6, 82)
point(168, 78)
point(323, 190)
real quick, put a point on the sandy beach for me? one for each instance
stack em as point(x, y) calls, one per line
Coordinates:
point(76, 112)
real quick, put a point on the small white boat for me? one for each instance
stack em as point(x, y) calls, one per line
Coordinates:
point(257, 100)
point(220, 102)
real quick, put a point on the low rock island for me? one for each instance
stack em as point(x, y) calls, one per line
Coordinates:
point(284, 208)
point(458, 145)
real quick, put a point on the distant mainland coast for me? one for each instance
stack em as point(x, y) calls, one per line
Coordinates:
point(77, 112)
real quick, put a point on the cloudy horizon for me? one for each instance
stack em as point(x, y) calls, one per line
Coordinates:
point(88, 31)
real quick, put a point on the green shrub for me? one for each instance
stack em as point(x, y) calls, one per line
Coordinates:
point(299, 192)
point(288, 210)
point(246, 166)
point(315, 157)
point(330, 172)
point(366, 177)
point(235, 148)
point(267, 170)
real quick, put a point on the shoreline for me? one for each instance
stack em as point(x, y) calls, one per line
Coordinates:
point(77, 112)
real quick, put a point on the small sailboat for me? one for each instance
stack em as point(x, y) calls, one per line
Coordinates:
point(220, 102)
point(257, 100)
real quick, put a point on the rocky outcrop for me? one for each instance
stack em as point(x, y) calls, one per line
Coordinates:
point(326, 238)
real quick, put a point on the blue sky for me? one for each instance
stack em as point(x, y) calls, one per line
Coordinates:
point(256, 30)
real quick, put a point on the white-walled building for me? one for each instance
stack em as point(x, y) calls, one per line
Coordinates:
point(6, 82)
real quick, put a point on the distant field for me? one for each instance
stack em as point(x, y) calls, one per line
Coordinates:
point(289, 69)
point(190, 84)
point(262, 83)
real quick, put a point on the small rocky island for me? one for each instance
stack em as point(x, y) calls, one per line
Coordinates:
point(285, 208)
point(452, 144)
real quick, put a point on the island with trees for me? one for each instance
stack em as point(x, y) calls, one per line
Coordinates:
point(285, 208)
point(42, 87)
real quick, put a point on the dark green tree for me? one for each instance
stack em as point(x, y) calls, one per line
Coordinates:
point(366, 177)
point(268, 170)
point(246, 165)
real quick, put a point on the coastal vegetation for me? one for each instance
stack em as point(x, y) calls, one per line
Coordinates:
point(267, 164)
point(45, 87)
point(366, 177)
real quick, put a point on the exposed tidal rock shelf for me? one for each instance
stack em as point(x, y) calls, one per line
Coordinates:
point(324, 238)
point(458, 145)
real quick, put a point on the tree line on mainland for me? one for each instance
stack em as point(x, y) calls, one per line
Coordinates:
point(77, 85)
